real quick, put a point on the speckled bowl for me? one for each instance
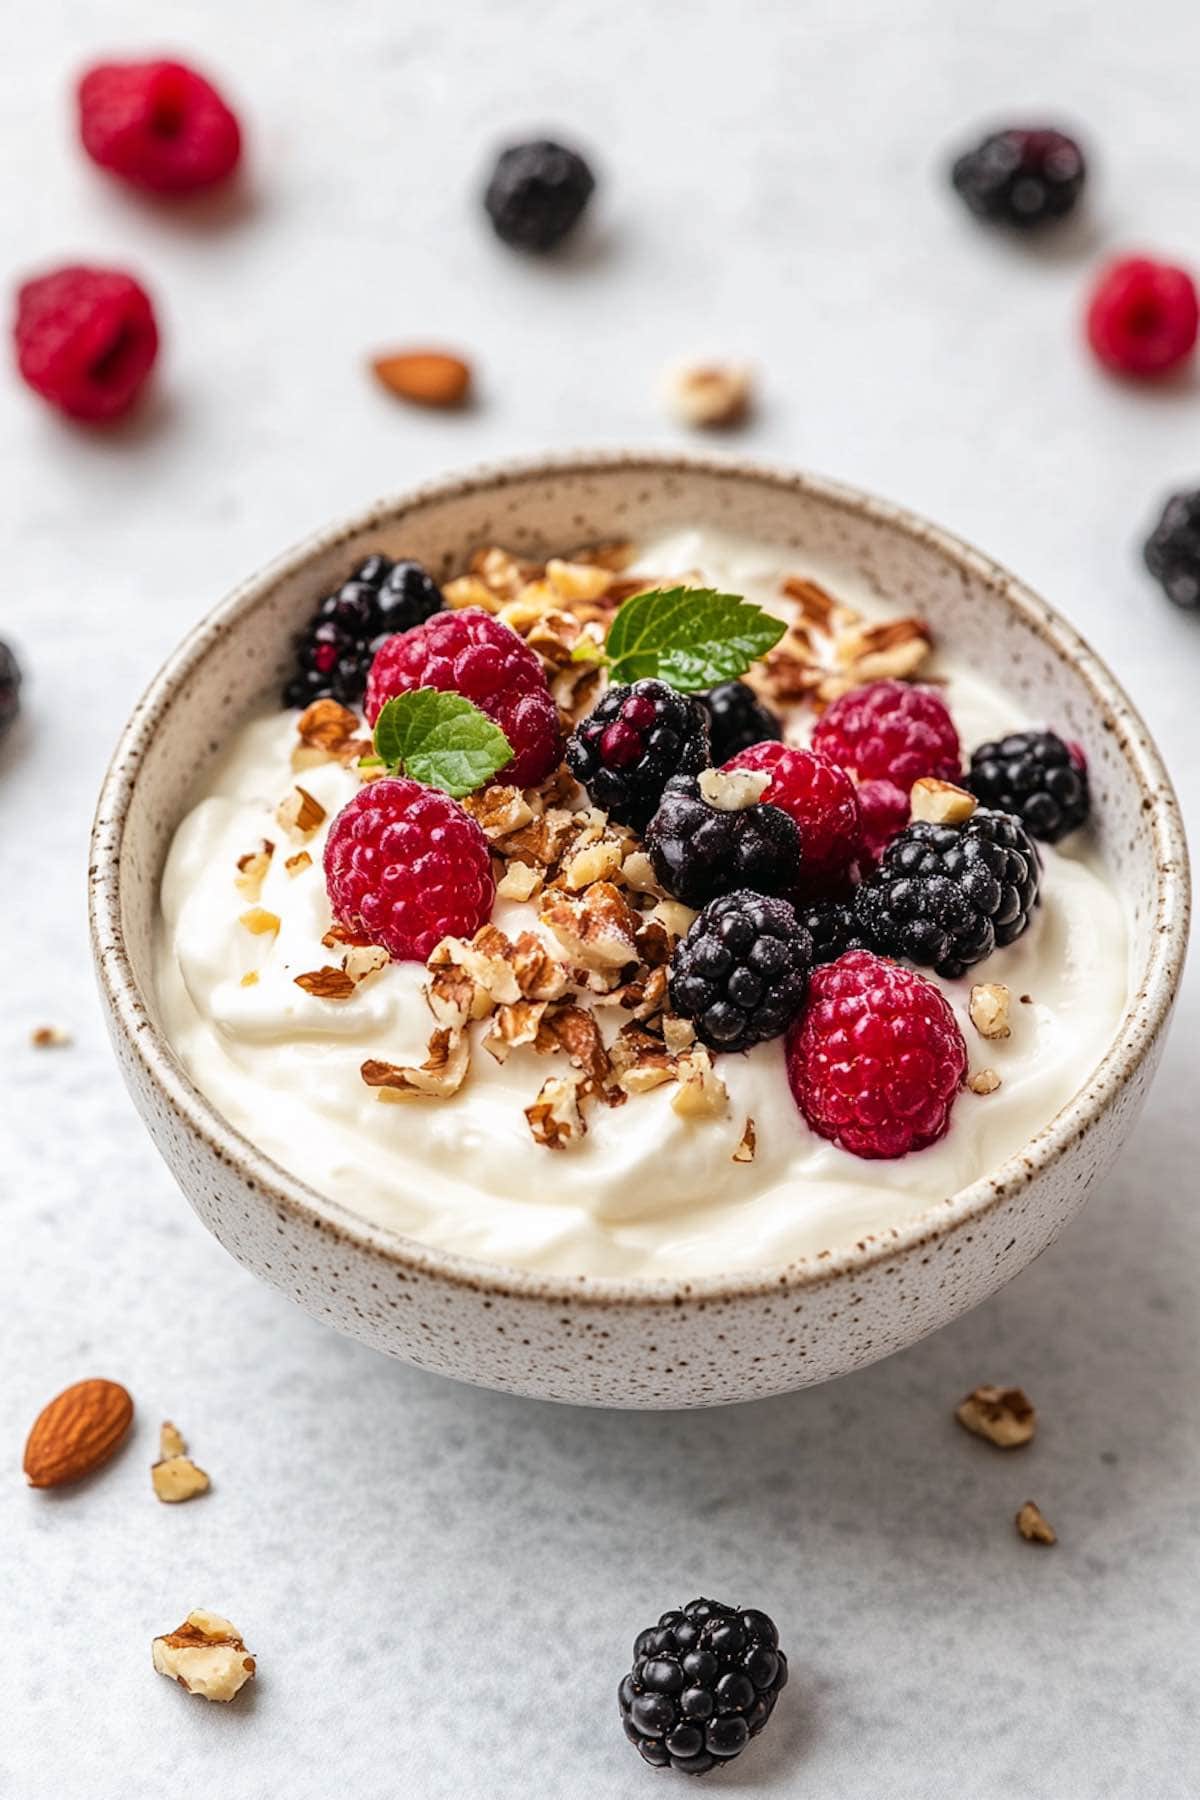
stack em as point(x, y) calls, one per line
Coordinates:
point(620, 1342)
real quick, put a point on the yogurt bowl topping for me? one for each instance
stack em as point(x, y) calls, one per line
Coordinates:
point(787, 927)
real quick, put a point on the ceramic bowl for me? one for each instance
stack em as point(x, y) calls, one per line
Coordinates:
point(619, 1342)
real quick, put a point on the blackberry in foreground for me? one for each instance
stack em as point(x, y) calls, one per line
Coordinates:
point(380, 598)
point(741, 972)
point(1021, 178)
point(1036, 776)
point(10, 689)
point(700, 851)
point(737, 719)
point(1172, 551)
point(704, 1681)
point(537, 193)
point(626, 751)
point(833, 927)
point(948, 895)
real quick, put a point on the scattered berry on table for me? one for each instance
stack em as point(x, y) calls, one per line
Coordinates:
point(86, 341)
point(741, 971)
point(1021, 177)
point(338, 644)
point(158, 125)
point(10, 689)
point(1143, 316)
point(1172, 551)
point(737, 719)
point(890, 731)
point(948, 895)
point(885, 810)
point(704, 1681)
point(700, 851)
point(833, 927)
point(822, 799)
point(628, 748)
point(1035, 775)
point(876, 1058)
point(406, 867)
point(537, 193)
point(473, 654)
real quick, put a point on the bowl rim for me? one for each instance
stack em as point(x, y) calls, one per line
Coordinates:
point(1146, 1013)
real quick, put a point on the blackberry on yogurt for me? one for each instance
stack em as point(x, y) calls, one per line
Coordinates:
point(336, 648)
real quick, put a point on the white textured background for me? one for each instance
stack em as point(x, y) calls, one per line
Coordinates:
point(441, 1584)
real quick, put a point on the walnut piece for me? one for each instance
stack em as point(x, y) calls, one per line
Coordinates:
point(498, 810)
point(708, 395)
point(597, 931)
point(1033, 1525)
point(296, 865)
point(1004, 1416)
point(747, 1144)
point(299, 814)
point(252, 870)
point(437, 1078)
point(829, 648)
point(50, 1037)
point(733, 790)
point(702, 1094)
point(940, 802)
point(512, 1026)
point(332, 729)
point(983, 1082)
point(988, 1008)
point(520, 881)
point(327, 983)
point(206, 1655)
point(260, 922)
point(574, 1030)
point(555, 1118)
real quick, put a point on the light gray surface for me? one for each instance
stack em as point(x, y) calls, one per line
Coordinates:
point(441, 1584)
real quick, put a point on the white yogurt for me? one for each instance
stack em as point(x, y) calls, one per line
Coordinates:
point(646, 1192)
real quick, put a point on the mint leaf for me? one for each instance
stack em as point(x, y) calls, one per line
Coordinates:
point(440, 739)
point(692, 638)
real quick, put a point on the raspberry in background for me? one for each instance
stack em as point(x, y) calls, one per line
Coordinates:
point(821, 798)
point(890, 731)
point(741, 971)
point(473, 654)
point(406, 867)
point(876, 1058)
point(86, 340)
point(1021, 177)
point(1143, 317)
point(159, 126)
point(630, 745)
point(885, 809)
point(1035, 775)
point(1172, 551)
point(537, 194)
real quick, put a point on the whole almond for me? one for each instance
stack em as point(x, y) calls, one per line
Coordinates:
point(77, 1432)
point(425, 377)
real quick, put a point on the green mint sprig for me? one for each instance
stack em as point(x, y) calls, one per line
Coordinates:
point(439, 739)
point(692, 638)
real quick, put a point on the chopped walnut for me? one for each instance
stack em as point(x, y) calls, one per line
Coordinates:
point(498, 810)
point(600, 861)
point(637, 872)
point(539, 975)
point(296, 865)
point(678, 1034)
point(571, 1029)
point(1005, 1416)
point(206, 1655)
point(654, 943)
point(514, 1025)
point(574, 690)
point(747, 1144)
point(675, 917)
point(578, 580)
point(501, 572)
point(555, 1118)
point(1033, 1525)
point(438, 1077)
point(327, 983)
point(331, 731)
point(940, 802)
point(597, 931)
point(988, 1008)
point(50, 1037)
point(252, 870)
point(639, 1060)
point(983, 1082)
point(468, 590)
point(487, 958)
point(709, 395)
point(260, 922)
point(702, 1094)
point(829, 649)
point(300, 815)
point(362, 961)
point(520, 881)
point(733, 790)
point(543, 840)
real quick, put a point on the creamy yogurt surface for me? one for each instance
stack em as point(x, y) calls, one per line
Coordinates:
point(647, 1192)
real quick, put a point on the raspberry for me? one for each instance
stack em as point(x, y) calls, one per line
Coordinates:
point(876, 1058)
point(1142, 318)
point(337, 646)
point(1038, 777)
point(636, 739)
point(10, 689)
point(885, 811)
point(157, 125)
point(741, 971)
point(1172, 550)
point(948, 895)
point(821, 799)
point(700, 851)
point(537, 193)
point(473, 654)
point(704, 1681)
point(406, 867)
point(890, 731)
point(1021, 177)
point(86, 341)
point(737, 719)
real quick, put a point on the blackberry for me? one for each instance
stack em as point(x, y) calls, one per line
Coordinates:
point(741, 972)
point(737, 719)
point(704, 1681)
point(1035, 775)
point(1172, 550)
point(833, 927)
point(948, 895)
point(536, 194)
point(1021, 178)
point(636, 739)
point(336, 648)
point(700, 851)
point(10, 689)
